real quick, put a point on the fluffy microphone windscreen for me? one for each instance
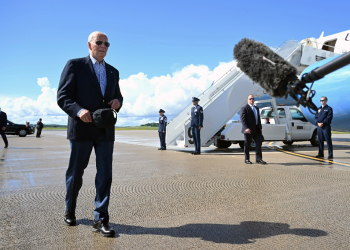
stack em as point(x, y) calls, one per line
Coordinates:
point(270, 74)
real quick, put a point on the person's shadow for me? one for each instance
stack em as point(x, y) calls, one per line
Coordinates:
point(244, 233)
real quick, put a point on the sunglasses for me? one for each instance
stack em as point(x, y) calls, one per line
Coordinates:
point(99, 43)
point(251, 98)
point(322, 100)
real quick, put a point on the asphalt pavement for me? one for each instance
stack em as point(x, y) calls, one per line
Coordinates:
point(174, 200)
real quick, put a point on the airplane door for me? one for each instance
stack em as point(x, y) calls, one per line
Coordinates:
point(299, 125)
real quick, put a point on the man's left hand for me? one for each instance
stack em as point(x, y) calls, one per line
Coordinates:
point(200, 127)
point(163, 131)
point(3, 128)
point(320, 125)
point(115, 104)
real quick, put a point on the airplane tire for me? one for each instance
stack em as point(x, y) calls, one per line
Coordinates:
point(314, 139)
point(287, 142)
point(223, 144)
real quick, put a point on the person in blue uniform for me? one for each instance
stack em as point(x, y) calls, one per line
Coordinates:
point(197, 118)
point(162, 129)
point(323, 120)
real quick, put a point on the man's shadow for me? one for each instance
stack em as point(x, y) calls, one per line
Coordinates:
point(245, 233)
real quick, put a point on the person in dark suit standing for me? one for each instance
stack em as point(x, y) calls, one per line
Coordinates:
point(162, 129)
point(39, 127)
point(252, 129)
point(323, 119)
point(86, 85)
point(3, 125)
point(197, 118)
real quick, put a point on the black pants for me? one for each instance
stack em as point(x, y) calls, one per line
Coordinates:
point(196, 133)
point(258, 141)
point(162, 140)
point(3, 135)
point(38, 132)
point(324, 134)
point(79, 160)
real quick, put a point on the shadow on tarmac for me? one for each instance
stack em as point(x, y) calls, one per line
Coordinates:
point(245, 233)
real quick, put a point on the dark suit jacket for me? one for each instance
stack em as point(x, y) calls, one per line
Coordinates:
point(248, 119)
point(3, 120)
point(79, 89)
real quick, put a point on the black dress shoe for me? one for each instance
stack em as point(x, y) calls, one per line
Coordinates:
point(6, 146)
point(248, 162)
point(103, 229)
point(260, 162)
point(330, 158)
point(159, 148)
point(69, 219)
point(319, 156)
point(196, 153)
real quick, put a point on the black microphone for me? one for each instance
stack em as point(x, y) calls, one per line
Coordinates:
point(263, 66)
point(277, 76)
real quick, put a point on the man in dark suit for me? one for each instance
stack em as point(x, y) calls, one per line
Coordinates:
point(39, 127)
point(197, 118)
point(88, 84)
point(251, 127)
point(323, 119)
point(3, 124)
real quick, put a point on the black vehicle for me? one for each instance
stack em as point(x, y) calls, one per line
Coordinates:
point(18, 129)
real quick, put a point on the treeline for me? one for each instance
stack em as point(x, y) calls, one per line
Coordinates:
point(152, 124)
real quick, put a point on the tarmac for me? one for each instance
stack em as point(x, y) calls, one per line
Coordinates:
point(174, 200)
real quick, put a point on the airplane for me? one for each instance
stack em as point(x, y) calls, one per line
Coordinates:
point(222, 101)
point(335, 86)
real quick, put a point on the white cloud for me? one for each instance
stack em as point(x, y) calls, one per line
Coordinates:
point(22, 109)
point(143, 96)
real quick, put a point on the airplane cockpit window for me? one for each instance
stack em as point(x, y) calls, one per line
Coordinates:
point(329, 46)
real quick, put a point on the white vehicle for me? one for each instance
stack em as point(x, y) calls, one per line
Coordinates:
point(289, 125)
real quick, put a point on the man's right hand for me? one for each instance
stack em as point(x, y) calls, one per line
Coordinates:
point(3, 128)
point(85, 115)
point(248, 131)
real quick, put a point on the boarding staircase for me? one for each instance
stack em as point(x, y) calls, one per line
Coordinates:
point(224, 99)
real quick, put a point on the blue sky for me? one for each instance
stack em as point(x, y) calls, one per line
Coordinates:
point(154, 38)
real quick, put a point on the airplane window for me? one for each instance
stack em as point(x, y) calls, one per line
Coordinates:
point(329, 46)
point(296, 114)
point(281, 113)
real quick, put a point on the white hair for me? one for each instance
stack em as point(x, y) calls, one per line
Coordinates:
point(93, 35)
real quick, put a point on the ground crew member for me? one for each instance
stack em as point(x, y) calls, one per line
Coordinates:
point(323, 120)
point(39, 127)
point(162, 129)
point(196, 124)
point(3, 124)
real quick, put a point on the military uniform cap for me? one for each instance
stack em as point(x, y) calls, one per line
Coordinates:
point(194, 99)
point(161, 110)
